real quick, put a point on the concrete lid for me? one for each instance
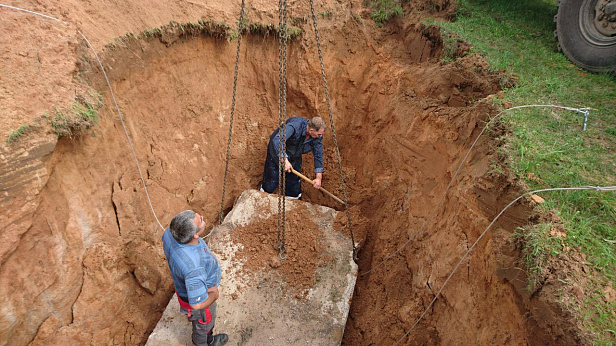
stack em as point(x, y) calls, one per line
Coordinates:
point(256, 307)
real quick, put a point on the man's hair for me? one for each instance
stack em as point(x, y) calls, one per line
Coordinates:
point(316, 123)
point(183, 226)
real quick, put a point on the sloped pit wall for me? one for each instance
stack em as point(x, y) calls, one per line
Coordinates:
point(92, 265)
point(410, 120)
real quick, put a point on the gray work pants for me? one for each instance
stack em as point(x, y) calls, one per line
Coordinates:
point(203, 324)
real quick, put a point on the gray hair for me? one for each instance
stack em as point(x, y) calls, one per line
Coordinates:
point(316, 123)
point(183, 226)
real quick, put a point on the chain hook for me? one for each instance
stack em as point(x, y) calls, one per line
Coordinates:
point(282, 251)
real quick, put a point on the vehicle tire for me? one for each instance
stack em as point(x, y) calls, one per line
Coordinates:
point(587, 39)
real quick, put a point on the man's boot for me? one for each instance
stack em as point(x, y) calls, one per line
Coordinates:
point(219, 340)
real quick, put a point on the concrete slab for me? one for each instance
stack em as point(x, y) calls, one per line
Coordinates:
point(259, 306)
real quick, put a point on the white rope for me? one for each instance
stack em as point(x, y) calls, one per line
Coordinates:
point(31, 12)
point(596, 188)
point(114, 102)
point(124, 127)
point(432, 213)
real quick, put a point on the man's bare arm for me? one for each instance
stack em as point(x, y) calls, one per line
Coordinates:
point(317, 180)
point(212, 296)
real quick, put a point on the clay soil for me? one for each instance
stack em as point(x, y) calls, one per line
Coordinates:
point(304, 252)
point(302, 248)
point(80, 254)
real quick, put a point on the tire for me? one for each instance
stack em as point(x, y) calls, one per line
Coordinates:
point(581, 40)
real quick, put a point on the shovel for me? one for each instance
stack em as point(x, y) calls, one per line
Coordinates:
point(312, 182)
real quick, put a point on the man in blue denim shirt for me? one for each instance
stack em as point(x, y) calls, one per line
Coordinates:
point(196, 275)
point(302, 136)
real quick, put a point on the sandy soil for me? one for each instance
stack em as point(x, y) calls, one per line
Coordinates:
point(80, 257)
point(303, 248)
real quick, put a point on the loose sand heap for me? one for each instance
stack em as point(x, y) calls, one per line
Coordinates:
point(263, 298)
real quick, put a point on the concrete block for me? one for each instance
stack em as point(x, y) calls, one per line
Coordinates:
point(259, 306)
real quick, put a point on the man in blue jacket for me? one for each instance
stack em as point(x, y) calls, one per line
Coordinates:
point(302, 136)
point(196, 275)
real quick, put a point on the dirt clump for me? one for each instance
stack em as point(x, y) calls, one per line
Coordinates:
point(303, 249)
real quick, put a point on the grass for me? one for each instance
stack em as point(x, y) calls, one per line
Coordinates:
point(15, 134)
point(77, 119)
point(539, 246)
point(384, 10)
point(548, 147)
point(326, 14)
point(213, 29)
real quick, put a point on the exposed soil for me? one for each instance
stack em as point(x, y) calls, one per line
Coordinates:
point(80, 256)
point(303, 249)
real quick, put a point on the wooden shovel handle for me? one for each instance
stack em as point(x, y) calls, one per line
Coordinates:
point(312, 182)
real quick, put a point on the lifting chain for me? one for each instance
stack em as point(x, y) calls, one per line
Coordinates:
point(331, 121)
point(282, 128)
point(240, 25)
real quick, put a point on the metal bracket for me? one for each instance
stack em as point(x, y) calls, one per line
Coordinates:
point(586, 112)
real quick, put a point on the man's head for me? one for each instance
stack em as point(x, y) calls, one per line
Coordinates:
point(187, 226)
point(316, 127)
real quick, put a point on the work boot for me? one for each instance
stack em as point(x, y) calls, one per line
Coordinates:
point(219, 340)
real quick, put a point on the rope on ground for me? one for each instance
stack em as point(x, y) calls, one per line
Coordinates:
point(596, 188)
point(114, 102)
point(237, 61)
point(584, 111)
point(31, 12)
point(282, 128)
point(331, 121)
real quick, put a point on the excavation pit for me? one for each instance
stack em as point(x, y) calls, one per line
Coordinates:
point(79, 234)
point(262, 298)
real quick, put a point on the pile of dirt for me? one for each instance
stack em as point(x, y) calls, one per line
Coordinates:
point(303, 249)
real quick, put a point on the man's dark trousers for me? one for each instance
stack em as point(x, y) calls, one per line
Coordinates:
point(293, 183)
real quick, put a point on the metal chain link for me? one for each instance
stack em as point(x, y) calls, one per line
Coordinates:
point(278, 245)
point(331, 121)
point(282, 130)
point(282, 183)
point(240, 24)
